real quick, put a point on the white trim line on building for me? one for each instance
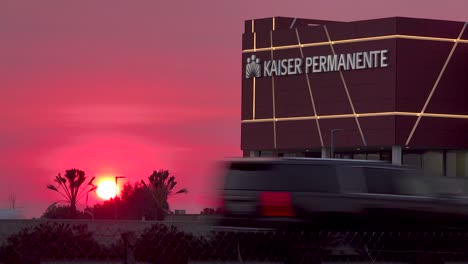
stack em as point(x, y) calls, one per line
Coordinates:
point(344, 41)
point(310, 93)
point(292, 23)
point(253, 97)
point(346, 90)
point(376, 114)
point(273, 95)
point(434, 87)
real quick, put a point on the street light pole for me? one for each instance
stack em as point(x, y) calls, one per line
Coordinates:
point(332, 134)
point(116, 192)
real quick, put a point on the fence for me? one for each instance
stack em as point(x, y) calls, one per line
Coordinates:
point(159, 242)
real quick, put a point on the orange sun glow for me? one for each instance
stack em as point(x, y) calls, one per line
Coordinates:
point(106, 189)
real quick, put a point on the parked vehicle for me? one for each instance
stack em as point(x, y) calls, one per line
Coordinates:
point(259, 191)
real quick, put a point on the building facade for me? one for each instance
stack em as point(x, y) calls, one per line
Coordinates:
point(393, 89)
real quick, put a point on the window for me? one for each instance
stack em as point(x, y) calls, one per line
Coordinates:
point(249, 176)
point(282, 177)
point(373, 156)
point(412, 160)
point(309, 177)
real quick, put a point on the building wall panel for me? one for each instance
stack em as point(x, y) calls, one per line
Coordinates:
point(451, 95)
point(372, 90)
point(378, 131)
point(257, 136)
point(441, 133)
point(349, 137)
point(247, 40)
point(419, 64)
point(362, 29)
point(312, 34)
point(327, 89)
point(428, 27)
point(403, 86)
point(292, 97)
point(297, 135)
point(403, 127)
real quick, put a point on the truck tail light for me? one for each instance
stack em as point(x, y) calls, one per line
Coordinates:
point(276, 204)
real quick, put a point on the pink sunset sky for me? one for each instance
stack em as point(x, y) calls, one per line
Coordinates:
point(127, 87)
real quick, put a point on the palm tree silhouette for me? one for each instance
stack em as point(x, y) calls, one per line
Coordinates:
point(70, 187)
point(161, 185)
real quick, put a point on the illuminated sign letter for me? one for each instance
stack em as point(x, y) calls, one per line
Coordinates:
point(332, 62)
point(284, 68)
point(266, 68)
point(298, 65)
point(308, 64)
point(342, 63)
point(383, 58)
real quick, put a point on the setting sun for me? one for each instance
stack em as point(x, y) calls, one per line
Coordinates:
point(106, 189)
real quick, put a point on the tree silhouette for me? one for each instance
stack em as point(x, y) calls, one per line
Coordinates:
point(63, 212)
point(161, 186)
point(70, 187)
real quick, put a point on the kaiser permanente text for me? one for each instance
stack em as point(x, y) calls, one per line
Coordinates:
point(328, 63)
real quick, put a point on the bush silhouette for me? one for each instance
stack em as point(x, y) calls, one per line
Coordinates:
point(54, 241)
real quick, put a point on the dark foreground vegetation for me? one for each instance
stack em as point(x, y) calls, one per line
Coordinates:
point(166, 244)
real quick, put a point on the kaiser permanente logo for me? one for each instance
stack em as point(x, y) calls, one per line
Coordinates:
point(253, 68)
point(316, 64)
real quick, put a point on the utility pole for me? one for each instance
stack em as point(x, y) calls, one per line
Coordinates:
point(332, 134)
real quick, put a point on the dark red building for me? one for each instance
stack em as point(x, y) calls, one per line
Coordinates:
point(391, 89)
